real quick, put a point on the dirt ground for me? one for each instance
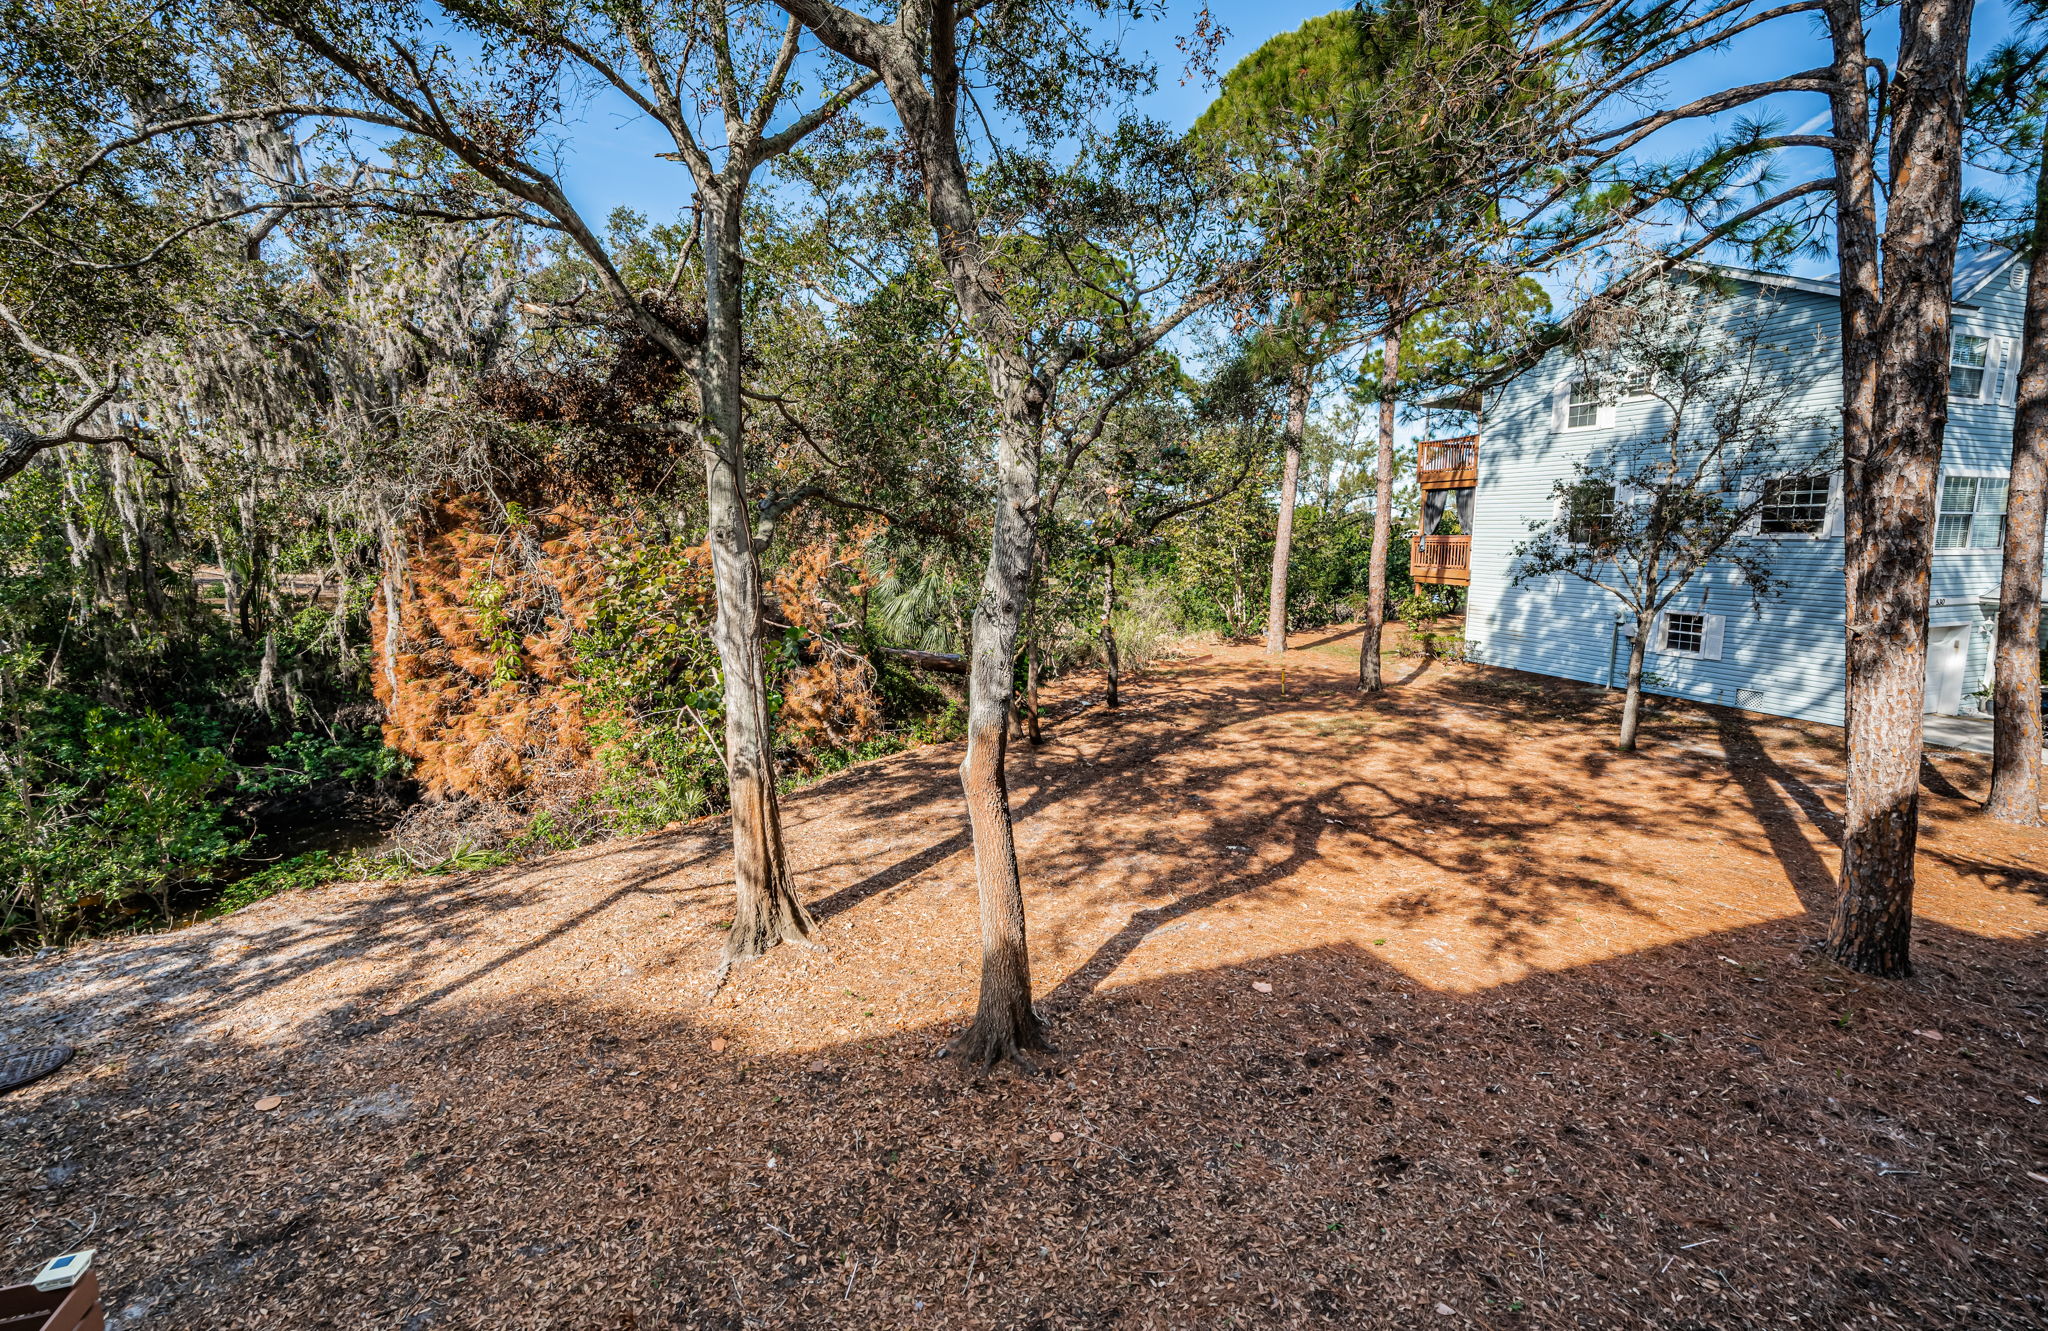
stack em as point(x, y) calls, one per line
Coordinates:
point(1421, 1010)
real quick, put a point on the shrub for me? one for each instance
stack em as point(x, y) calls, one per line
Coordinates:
point(102, 813)
point(1146, 625)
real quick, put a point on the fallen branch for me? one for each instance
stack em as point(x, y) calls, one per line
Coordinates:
point(937, 661)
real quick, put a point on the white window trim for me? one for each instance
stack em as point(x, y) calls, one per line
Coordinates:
point(1561, 409)
point(1560, 510)
point(1713, 633)
point(1830, 525)
point(1995, 473)
point(2001, 368)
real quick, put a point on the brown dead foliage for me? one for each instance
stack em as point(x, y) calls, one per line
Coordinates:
point(831, 701)
point(483, 701)
point(489, 698)
point(1426, 1009)
point(636, 373)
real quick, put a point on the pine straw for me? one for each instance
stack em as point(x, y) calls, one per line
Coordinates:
point(1540, 1049)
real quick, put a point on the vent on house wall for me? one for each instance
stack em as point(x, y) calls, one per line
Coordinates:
point(1747, 699)
point(2019, 276)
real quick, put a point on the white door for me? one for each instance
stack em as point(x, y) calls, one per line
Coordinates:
point(1948, 649)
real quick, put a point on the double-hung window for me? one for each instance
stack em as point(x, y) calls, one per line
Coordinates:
point(1795, 505)
point(1968, 357)
point(1590, 510)
point(1972, 515)
point(1582, 407)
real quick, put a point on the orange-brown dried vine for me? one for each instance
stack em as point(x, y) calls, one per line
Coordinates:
point(832, 700)
point(481, 690)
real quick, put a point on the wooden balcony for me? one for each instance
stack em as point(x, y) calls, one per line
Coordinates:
point(1443, 560)
point(1447, 464)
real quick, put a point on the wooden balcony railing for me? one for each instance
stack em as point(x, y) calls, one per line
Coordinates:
point(1443, 560)
point(1447, 464)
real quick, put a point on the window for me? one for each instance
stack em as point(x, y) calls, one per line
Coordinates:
point(1972, 513)
point(1582, 408)
point(1690, 633)
point(1794, 505)
point(1967, 358)
point(1684, 632)
point(1590, 511)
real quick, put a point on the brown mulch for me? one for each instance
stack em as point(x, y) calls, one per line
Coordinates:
point(1426, 1009)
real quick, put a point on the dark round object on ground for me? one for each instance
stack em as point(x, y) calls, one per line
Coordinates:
point(19, 1067)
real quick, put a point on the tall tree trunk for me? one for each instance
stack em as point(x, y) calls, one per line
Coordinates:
point(766, 908)
point(1856, 256)
point(1632, 703)
point(1005, 1024)
point(1031, 726)
point(2016, 686)
point(1890, 500)
point(1382, 519)
point(1283, 531)
point(1109, 663)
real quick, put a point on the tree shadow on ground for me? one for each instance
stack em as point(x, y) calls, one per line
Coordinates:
point(499, 1100)
point(1654, 1140)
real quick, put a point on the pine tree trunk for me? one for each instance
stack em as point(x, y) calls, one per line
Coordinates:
point(1856, 254)
point(1283, 531)
point(2016, 688)
point(1890, 502)
point(1382, 520)
point(766, 908)
point(1109, 662)
point(1632, 703)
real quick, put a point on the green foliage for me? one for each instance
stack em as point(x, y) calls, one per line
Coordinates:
point(103, 814)
point(1420, 610)
point(301, 761)
point(947, 723)
point(650, 682)
point(311, 869)
point(486, 595)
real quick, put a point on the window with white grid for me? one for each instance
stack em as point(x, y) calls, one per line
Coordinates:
point(1972, 515)
point(1684, 632)
point(1967, 357)
point(1582, 408)
point(1794, 505)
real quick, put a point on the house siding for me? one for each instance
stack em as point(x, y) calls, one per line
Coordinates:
point(1781, 654)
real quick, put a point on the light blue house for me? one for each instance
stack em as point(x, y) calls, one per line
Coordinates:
point(1783, 656)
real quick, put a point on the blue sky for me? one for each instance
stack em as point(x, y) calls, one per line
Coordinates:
point(611, 153)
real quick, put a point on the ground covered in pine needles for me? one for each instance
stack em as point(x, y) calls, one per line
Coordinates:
point(1421, 1010)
